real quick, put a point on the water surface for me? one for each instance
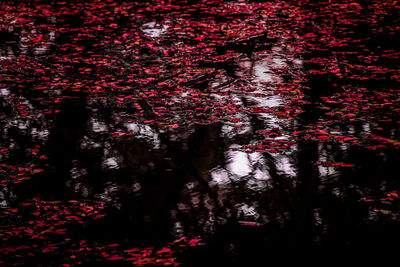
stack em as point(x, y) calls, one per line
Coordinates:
point(156, 133)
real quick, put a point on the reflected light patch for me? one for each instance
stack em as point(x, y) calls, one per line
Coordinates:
point(220, 176)
point(238, 163)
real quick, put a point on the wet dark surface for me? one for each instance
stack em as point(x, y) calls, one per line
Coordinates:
point(176, 132)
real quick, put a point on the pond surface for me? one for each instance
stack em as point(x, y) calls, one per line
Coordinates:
point(169, 132)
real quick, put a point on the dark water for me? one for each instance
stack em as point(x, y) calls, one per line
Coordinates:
point(165, 133)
